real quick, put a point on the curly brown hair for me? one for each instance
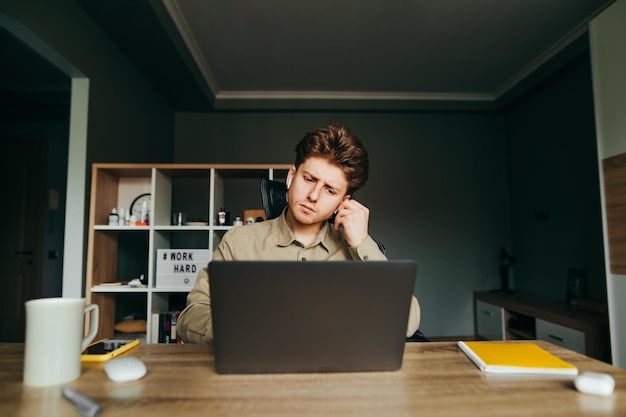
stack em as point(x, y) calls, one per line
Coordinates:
point(338, 145)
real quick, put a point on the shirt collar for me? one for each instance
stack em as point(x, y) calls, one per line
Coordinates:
point(286, 237)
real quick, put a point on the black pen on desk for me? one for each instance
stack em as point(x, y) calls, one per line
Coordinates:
point(85, 406)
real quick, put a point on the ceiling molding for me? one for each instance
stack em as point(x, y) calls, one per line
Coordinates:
point(350, 95)
point(180, 22)
point(324, 100)
point(542, 59)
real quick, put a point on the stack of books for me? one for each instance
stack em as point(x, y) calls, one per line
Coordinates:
point(164, 327)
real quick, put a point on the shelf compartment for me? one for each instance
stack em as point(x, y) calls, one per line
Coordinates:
point(519, 326)
point(115, 186)
point(183, 193)
point(237, 190)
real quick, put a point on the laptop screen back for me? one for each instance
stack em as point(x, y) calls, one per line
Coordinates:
point(333, 316)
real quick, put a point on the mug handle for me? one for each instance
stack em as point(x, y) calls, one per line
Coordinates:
point(93, 324)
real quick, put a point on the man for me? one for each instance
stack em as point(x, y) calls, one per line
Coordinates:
point(331, 164)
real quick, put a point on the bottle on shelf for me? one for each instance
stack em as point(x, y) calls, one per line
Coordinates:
point(114, 218)
point(122, 219)
point(145, 214)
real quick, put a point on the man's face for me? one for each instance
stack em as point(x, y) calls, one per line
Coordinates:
point(316, 189)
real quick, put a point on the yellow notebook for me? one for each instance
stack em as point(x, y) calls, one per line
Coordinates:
point(519, 358)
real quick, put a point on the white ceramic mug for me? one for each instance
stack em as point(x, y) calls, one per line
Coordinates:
point(55, 339)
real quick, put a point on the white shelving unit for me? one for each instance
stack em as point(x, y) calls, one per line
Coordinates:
point(121, 253)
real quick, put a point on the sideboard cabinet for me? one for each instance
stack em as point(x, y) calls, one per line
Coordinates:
point(503, 315)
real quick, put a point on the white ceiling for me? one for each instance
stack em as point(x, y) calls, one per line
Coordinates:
point(205, 55)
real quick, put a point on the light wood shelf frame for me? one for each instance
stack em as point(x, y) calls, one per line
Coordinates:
point(103, 240)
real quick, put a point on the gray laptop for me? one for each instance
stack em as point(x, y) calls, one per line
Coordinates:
point(333, 316)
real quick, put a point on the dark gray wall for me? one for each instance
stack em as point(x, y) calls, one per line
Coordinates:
point(553, 171)
point(129, 121)
point(437, 190)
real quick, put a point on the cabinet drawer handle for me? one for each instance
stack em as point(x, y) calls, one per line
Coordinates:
point(557, 338)
point(489, 313)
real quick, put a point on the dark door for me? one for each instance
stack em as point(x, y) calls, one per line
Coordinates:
point(22, 169)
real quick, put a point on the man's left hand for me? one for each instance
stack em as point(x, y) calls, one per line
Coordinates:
point(354, 217)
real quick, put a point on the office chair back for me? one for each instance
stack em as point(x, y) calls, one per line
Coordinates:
point(274, 195)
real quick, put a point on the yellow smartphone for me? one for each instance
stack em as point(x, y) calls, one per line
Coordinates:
point(106, 349)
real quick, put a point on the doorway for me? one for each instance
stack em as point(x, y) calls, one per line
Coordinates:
point(34, 118)
point(21, 243)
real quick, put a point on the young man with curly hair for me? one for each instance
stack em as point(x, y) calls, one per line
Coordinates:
point(331, 164)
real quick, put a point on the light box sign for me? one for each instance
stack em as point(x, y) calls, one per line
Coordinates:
point(179, 268)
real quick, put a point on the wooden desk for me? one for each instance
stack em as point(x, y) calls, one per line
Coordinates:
point(436, 379)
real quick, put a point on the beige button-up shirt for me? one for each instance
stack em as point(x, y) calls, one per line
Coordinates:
point(272, 240)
